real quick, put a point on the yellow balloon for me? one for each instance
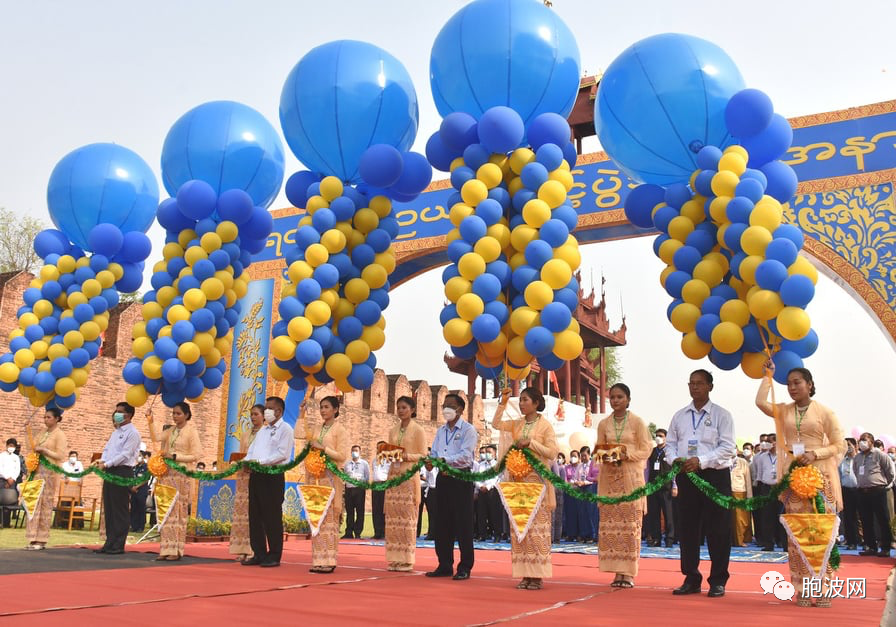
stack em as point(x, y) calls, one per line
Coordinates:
point(753, 364)
point(141, 346)
point(733, 162)
point(317, 312)
point(727, 337)
point(76, 299)
point(517, 260)
point(693, 347)
point(73, 340)
point(366, 220)
point(748, 268)
point(553, 193)
point(279, 373)
point(316, 254)
point(299, 328)
point(330, 188)
point(767, 213)
point(106, 279)
point(176, 313)
point(90, 330)
point(283, 347)
point(538, 295)
point(556, 273)
point(470, 266)
point(473, 192)
point(79, 376)
point(724, 182)
point(210, 242)
point(521, 320)
point(710, 272)
point(519, 158)
point(684, 317)
point(695, 292)
point(66, 264)
point(517, 353)
point(227, 231)
point(152, 367)
point(488, 248)
point(458, 332)
point(188, 352)
point(374, 337)
point(458, 212)
point(680, 227)
point(495, 348)
point(693, 210)
point(314, 203)
point(456, 287)
point(381, 205)
point(470, 306)
point(667, 250)
point(737, 149)
point(536, 212)
point(172, 250)
point(212, 358)
point(195, 254)
point(490, 174)
point(117, 270)
point(568, 345)
point(522, 235)
point(804, 266)
point(195, 299)
point(665, 274)
point(489, 361)
point(736, 312)
point(765, 304)
point(205, 341)
point(754, 239)
point(563, 176)
point(356, 291)
point(357, 351)
point(23, 358)
point(386, 259)
point(570, 254)
point(299, 270)
point(64, 386)
point(136, 395)
point(333, 240)
point(91, 288)
point(793, 323)
point(500, 232)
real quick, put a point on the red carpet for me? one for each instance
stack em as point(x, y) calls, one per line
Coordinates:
point(361, 590)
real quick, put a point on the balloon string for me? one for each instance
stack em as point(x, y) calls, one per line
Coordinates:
point(28, 433)
point(768, 374)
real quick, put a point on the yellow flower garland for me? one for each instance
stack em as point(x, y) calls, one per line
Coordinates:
point(517, 464)
point(32, 462)
point(157, 465)
point(806, 481)
point(314, 464)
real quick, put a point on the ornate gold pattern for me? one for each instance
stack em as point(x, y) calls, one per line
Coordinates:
point(251, 362)
point(221, 504)
point(292, 505)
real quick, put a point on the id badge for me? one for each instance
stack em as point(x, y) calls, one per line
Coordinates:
point(656, 465)
point(798, 449)
point(861, 470)
point(692, 448)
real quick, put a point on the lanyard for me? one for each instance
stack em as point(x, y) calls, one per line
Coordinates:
point(620, 430)
point(695, 420)
point(799, 415)
point(449, 433)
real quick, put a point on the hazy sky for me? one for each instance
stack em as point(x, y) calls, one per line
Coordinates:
point(74, 73)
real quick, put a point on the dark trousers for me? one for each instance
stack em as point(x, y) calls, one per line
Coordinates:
point(378, 505)
point(488, 514)
point(428, 499)
point(116, 509)
point(354, 511)
point(701, 516)
point(873, 508)
point(849, 517)
point(266, 515)
point(138, 508)
point(769, 521)
point(660, 503)
point(454, 522)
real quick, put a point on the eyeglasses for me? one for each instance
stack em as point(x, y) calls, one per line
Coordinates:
point(694, 384)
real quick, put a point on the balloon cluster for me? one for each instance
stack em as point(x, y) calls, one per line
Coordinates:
point(739, 286)
point(510, 282)
point(66, 311)
point(331, 309)
point(189, 314)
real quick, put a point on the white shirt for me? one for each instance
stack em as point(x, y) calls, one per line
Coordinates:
point(764, 468)
point(68, 466)
point(381, 470)
point(10, 466)
point(429, 478)
point(357, 469)
point(711, 428)
point(273, 445)
point(482, 466)
point(122, 447)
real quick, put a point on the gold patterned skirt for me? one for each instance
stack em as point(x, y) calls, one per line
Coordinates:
point(37, 529)
point(619, 538)
point(325, 545)
point(795, 504)
point(401, 507)
point(239, 523)
point(532, 557)
point(174, 531)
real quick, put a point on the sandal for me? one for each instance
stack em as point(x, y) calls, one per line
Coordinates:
point(534, 584)
point(625, 583)
point(322, 570)
point(524, 584)
point(804, 602)
point(823, 602)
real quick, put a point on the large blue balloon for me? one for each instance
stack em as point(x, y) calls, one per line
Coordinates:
point(511, 53)
point(660, 102)
point(229, 146)
point(343, 97)
point(101, 183)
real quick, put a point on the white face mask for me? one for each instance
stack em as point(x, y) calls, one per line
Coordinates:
point(573, 460)
point(765, 446)
point(355, 454)
point(488, 456)
point(863, 444)
point(269, 416)
point(449, 413)
point(748, 453)
point(482, 456)
point(10, 449)
point(659, 440)
point(72, 459)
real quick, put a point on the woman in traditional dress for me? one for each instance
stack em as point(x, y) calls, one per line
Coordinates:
point(332, 439)
point(403, 501)
point(809, 433)
point(52, 444)
point(239, 525)
point(619, 542)
point(531, 556)
point(180, 444)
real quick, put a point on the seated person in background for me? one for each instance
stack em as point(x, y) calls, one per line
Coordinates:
point(73, 464)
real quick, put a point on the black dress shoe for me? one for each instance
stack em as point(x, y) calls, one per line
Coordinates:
point(716, 591)
point(687, 588)
point(868, 553)
point(461, 575)
point(347, 536)
point(768, 548)
point(884, 553)
point(252, 561)
point(439, 573)
point(114, 551)
point(99, 550)
point(270, 563)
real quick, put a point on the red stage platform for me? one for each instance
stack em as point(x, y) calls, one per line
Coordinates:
point(361, 590)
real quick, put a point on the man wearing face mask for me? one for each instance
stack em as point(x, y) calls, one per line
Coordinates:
point(10, 469)
point(488, 502)
point(660, 502)
point(73, 464)
point(139, 493)
point(741, 488)
point(380, 472)
point(455, 444)
point(873, 474)
point(764, 479)
point(272, 446)
point(355, 496)
point(849, 486)
point(118, 459)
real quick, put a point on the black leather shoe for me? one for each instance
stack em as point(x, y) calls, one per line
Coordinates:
point(270, 563)
point(99, 550)
point(253, 561)
point(768, 548)
point(439, 573)
point(347, 536)
point(716, 591)
point(461, 575)
point(687, 588)
point(868, 553)
point(114, 551)
point(884, 553)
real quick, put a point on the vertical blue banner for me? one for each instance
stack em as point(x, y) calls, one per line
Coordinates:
point(248, 361)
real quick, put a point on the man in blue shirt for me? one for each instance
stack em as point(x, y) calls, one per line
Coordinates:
point(118, 459)
point(455, 444)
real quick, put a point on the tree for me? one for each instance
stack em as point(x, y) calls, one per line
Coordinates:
point(130, 297)
point(614, 367)
point(17, 234)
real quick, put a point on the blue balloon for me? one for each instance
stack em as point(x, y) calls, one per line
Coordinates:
point(554, 232)
point(708, 158)
point(44, 381)
point(750, 188)
point(212, 378)
point(546, 129)
point(350, 329)
point(50, 242)
point(467, 351)
point(132, 373)
point(703, 183)
point(738, 209)
point(197, 200)
point(165, 348)
point(770, 274)
point(785, 361)
point(805, 347)
point(797, 290)
point(308, 352)
point(568, 297)
point(381, 165)
point(791, 232)
point(686, 258)
point(725, 361)
point(487, 287)
point(660, 102)
point(368, 312)
point(475, 155)
point(677, 194)
point(705, 325)
point(675, 281)
point(227, 145)
point(361, 377)
point(532, 66)
point(326, 274)
point(343, 97)
point(501, 129)
point(486, 328)
point(783, 250)
point(416, 174)
point(490, 210)
point(663, 216)
point(555, 317)
point(703, 239)
point(296, 187)
point(26, 377)
point(51, 290)
point(752, 339)
point(101, 183)
point(550, 362)
point(61, 367)
point(534, 175)
point(458, 131)
point(35, 332)
point(488, 373)
point(499, 310)
point(449, 312)
point(438, 154)
point(132, 278)
point(538, 253)
point(769, 144)
point(472, 229)
point(539, 341)
point(260, 225)
point(183, 331)
point(748, 112)
point(173, 370)
point(135, 247)
point(782, 180)
point(83, 313)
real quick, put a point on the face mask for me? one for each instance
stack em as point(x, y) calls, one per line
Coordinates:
point(355, 454)
point(118, 417)
point(11, 450)
point(73, 459)
point(765, 446)
point(748, 453)
point(892, 456)
point(659, 439)
point(488, 456)
point(573, 460)
point(449, 413)
point(863, 444)
point(482, 456)
point(269, 416)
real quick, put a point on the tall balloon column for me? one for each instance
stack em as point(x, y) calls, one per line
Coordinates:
point(214, 224)
point(715, 188)
point(349, 112)
point(506, 142)
point(102, 199)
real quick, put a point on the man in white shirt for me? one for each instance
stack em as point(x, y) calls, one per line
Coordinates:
point(701, 436)
point(380, 471)
point(73, 464)
point(273, 446)
point(488, 501)
point(10, 469)
point(118, 459)
point(355, 495)
point(428, 477)
point(764, 479)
